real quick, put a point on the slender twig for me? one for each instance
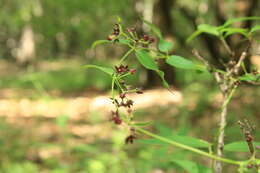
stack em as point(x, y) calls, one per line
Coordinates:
point(186, 147)
point(227, 47)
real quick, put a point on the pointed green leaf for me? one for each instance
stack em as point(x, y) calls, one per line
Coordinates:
point(154, 29)
point(193, 36)
point(240, 146)
point(99, 42)
point(183, 63)
point(148, 62)
point(204, 28)
point(213, 30)
point(124, 41)
point(250, 77)
point(107, 70)
point(187, 165)
point(255, 29)
point(165, 46)
point(240, 19)
point(230, 31)
point(190, 141)
point(203, 169)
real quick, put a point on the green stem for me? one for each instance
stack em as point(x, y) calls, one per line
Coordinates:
point(113, 86)
point(203, 153)
point(126, 55)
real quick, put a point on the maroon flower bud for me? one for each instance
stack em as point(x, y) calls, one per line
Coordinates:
point(116, 119)
point(146, 37)
point(110, 38)
point(130, 29)
point(130, 139)
point(129, 103)
point(139, 91)
point(132, 71)
point(249, 138)
point(250, 166)
point(122, 95)
point(151, 40)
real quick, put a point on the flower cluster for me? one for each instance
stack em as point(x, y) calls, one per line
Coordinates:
point(116, 32)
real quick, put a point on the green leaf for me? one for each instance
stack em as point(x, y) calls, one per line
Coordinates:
point(240, 146)
point(107, 70)
point(255, 28)
point(239, 19)
point(183, 63)
point(187, 165)
point(250, 77)
point(154, 29)
point(204, 28)
point(148, 62)
point(124, 41)
point(203, 169)
point(209, 29)
point(230, 31)
point(190, 141)
point(99, 42)
point(165, 46)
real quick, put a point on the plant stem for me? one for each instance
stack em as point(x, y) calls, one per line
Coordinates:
point(126, 55)
point(195, 150)
point(222, 124)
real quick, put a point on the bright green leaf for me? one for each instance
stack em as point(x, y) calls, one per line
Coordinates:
point(148, 62)
point(213, 30)
point(240, 146)
point(204, 28)
point(165, 46)
point(183, 63)
point(203, 169)
point(107, 70)
point(240, 19)
point(187, 165)
point(193, 35)
point(255, 28)
point(190, 141)
point(250, 77)
point(124, 41)
point(230, 31)
point(99, 42)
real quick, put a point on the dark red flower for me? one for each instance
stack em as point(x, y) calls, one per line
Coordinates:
point(132, 71)
point(130, 139)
